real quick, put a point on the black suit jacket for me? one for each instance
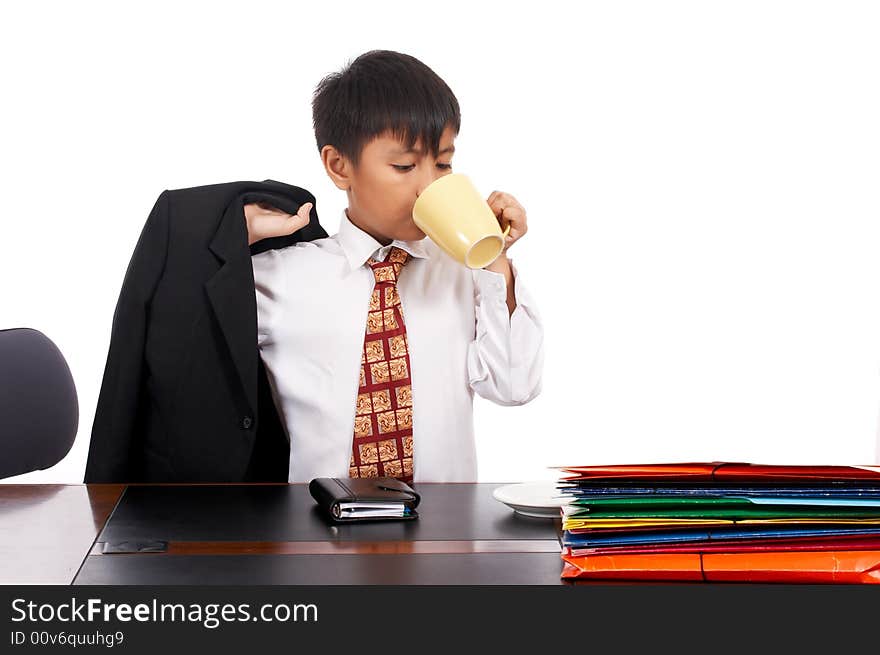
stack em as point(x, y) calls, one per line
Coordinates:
point(184, 396)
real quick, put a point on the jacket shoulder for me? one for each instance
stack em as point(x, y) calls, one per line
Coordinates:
point(228, 190)
point(206, 195)
point(197, 212)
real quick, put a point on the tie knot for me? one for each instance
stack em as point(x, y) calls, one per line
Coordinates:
point(388, 269)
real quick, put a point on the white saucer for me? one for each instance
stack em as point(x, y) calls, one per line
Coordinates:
point(536, 499)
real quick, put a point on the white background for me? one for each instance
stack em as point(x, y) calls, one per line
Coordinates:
point(701, 180)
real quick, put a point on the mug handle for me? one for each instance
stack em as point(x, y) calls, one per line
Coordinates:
point(506, 231)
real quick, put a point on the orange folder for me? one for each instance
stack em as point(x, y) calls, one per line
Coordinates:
point(833, 543)
point(669, 567)
point(839, 567)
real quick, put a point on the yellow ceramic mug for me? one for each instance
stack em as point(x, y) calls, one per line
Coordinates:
point(456, 217)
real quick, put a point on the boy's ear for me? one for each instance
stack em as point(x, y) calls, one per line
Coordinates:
point(338, 167)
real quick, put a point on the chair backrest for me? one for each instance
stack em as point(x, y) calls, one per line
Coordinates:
point(39, 412)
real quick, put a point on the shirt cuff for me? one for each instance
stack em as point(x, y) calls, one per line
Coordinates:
point(493, 287)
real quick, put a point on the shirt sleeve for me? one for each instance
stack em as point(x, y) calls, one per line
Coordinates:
point(506, 359)
point(269, 284)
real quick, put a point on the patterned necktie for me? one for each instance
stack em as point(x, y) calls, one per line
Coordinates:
point(382, 444)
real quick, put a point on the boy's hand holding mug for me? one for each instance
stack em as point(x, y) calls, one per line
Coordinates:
point(508, 211)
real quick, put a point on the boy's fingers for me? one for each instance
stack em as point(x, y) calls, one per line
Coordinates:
point(495, 202)
point(509, 212)
point(514, 215)
point(300, 219)
point(296, 222)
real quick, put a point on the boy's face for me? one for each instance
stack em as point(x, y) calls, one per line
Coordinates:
point(383, 188)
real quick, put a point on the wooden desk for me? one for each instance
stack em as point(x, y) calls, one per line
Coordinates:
point(47, 530)
point(264, 534)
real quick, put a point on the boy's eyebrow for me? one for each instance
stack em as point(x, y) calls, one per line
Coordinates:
point(407, 151)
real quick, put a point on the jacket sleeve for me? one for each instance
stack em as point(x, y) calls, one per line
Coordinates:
point(114, 441)
point(506, 359)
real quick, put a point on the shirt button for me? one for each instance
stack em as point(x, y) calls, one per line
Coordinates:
point(247, 422)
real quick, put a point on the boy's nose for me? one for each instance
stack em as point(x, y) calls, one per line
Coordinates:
point(425, 180)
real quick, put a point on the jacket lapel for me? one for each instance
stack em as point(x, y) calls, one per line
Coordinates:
point(232, 297)
point(231, 289)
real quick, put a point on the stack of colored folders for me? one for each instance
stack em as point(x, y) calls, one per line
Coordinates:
point(722, 522)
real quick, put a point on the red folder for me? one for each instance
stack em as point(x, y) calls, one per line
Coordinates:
point(694, 472)
point(723, 472)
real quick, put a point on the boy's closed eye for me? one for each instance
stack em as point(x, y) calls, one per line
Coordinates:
point(405, 168)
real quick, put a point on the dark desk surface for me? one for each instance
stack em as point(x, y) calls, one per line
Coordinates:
point(264, 534)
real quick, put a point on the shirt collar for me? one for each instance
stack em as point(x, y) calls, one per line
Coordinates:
point(359, 246)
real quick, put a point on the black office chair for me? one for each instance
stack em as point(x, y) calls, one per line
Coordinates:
point(39, 412)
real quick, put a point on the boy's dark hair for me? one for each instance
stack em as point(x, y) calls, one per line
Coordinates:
point(382, 90)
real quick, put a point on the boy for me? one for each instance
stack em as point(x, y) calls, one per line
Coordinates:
point(374, 340)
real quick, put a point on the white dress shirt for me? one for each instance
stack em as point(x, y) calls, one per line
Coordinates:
point(312, 303)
